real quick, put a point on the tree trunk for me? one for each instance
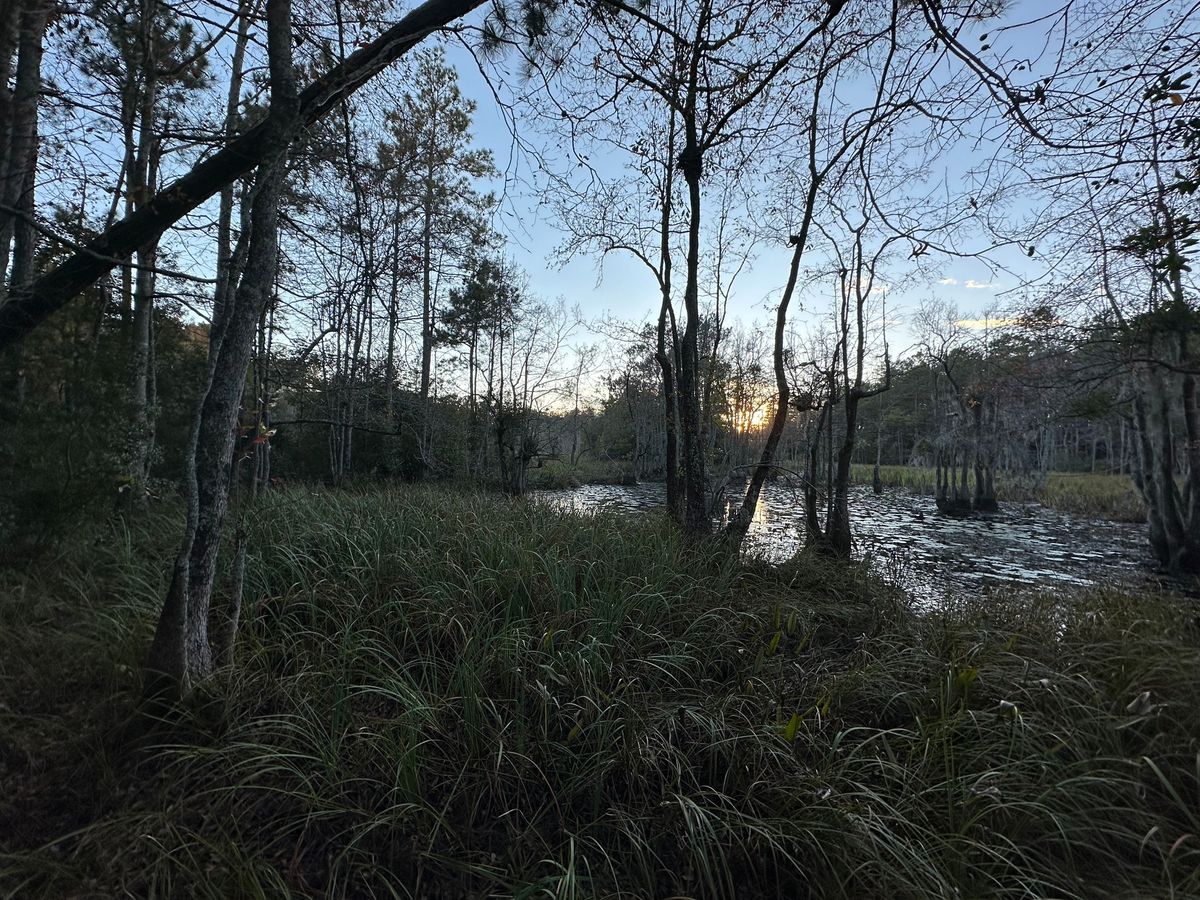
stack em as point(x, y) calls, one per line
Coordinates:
point(17, 188)
point(24, 28)
point(695, 482)
point(1171, 515)
point(143, 174)
point(9, 33)
point(666, 361)
point(227, 273)
point(181, 656)
point(24, 310)
point(740, 523)
point(837, 529)
point(812, 521)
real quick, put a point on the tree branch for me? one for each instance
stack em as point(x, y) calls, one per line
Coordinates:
point(26, 308)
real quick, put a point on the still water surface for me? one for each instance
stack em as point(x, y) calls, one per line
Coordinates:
point(1025, 545)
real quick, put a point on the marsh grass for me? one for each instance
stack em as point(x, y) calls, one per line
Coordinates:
point(558, 474)
point(1098, 496)
point(445, 694)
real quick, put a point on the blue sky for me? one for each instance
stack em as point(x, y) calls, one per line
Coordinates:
point(625, 289)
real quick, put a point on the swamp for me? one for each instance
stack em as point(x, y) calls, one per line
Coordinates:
point(670, 449)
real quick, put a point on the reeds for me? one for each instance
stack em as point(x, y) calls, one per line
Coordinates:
point(444, 694)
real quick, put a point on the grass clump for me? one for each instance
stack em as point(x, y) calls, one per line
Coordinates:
point(446, 695)
point(559, 474)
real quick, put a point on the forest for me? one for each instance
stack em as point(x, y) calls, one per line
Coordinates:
point(599, 448)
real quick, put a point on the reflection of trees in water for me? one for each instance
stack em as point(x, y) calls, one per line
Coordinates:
point(929, 555)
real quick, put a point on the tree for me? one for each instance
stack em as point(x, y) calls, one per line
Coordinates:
point(472, 313)
point(429, 155)
point(22, 28)
point(852, 155)
point(607, 217)
point(1106, 128)
point(182, 655)
point(146, 58)
point(525, 349)
point(26, 307)
point(713, 71)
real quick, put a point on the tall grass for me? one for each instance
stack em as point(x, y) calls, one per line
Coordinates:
point(447, 695)
point(1099, 496)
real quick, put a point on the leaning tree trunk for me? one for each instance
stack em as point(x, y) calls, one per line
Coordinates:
point(740, 523)
point(181, 655)
point(23, 311)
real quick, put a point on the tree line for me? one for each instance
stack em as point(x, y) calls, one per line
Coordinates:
point(334, 274)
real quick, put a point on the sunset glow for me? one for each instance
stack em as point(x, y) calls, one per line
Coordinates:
point(753, 419)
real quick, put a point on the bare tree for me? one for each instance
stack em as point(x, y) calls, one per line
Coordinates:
point(1105, 124)
point(839, 141)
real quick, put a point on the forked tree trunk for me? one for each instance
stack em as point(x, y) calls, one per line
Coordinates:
point(664, 355)
point(181, 655)
point(837, 529)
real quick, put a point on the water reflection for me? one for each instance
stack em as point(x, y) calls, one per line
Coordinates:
point(931, 555)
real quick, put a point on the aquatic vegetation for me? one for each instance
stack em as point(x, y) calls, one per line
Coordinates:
point(452, 694)
point(1100, 496)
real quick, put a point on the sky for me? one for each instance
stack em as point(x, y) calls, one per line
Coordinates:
point(625, 289)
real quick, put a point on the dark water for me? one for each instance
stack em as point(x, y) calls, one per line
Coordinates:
point(1025, 545)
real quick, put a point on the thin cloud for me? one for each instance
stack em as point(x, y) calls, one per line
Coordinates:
point(981, 324)
point(978, 285)
point(948, 281)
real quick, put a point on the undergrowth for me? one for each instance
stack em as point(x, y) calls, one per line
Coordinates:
point(448, 695)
